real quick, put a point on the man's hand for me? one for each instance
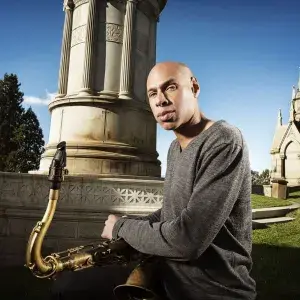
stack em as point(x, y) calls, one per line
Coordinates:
point(109, 225)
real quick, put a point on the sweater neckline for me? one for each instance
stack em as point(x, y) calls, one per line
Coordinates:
point(201, 135)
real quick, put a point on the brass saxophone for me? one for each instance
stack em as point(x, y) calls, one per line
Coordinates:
point(139, 283)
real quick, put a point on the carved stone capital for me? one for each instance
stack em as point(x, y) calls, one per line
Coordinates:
point(282, 156)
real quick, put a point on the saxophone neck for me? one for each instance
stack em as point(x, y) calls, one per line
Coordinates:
point(34, 261)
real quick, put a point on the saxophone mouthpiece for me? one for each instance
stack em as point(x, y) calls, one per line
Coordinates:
point(57, 167)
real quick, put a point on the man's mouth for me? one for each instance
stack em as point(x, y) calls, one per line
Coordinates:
point(166, 115)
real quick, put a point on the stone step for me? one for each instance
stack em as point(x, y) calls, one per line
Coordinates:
point(274, 220)
point(273, 212)
point(264, 223)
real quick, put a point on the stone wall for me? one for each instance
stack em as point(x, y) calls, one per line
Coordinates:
point(81, 210)
point(264, 190)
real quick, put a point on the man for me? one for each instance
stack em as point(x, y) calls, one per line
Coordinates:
point(203, 230)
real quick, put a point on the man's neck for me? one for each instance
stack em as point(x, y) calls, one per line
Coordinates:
point(187, 133)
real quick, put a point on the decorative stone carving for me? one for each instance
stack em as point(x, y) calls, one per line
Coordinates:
point(82, 208)
point(33, 190)
point(282, 156)
point(78, 35)
point(114, 33)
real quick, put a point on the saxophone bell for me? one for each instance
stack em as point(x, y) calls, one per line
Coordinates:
point(140, 284)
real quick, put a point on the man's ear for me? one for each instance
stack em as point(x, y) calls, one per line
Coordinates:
point(195, 87)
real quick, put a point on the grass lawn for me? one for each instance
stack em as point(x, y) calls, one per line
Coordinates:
point(276, 258)
point(262, 201)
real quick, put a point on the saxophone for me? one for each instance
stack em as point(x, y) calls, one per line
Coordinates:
point(139, 284)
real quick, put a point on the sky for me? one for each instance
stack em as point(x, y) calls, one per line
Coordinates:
point(245, 54)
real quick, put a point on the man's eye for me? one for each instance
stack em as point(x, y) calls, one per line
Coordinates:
point(151, 95)
point(171, 87)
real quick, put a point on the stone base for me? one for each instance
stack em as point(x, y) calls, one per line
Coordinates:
point(279, 188)
point(267, 190)
point(83, 206)
point(103, 136)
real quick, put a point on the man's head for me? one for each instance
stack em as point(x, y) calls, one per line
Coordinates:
point(172, 92)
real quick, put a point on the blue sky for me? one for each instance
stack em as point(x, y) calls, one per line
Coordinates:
point(244, 53)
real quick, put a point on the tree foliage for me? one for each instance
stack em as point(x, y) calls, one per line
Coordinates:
point(260, 178)
point(21, 138)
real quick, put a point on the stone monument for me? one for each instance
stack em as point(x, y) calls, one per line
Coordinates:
point(101, 109)
point(285, 150)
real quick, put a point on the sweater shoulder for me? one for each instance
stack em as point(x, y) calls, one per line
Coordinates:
point(224, 133)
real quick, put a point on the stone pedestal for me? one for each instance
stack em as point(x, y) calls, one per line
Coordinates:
point(101, 109)
point(83, 207)
point(267, 188)
point(279, 188)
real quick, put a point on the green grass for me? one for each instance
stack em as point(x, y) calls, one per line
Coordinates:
point(259, 201)
point(276, 257)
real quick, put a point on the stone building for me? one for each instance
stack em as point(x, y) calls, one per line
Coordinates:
point(285, 151)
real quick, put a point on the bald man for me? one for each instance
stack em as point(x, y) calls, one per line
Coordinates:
point(203, 231)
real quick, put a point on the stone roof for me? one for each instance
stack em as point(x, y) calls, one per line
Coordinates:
point(279, 135)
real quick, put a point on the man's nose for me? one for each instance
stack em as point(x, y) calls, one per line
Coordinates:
point(161, 99)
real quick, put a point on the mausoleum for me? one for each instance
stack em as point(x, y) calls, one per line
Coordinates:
point(285, 150)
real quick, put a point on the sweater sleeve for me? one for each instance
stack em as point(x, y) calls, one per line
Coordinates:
point(153, 217)
point(216, 188)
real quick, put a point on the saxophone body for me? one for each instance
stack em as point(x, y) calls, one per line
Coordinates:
point(139, 283)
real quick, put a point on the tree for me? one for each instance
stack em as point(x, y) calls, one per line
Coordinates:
point(21, 138)
point(262, 178)
point(255, 177)
point(11, 111)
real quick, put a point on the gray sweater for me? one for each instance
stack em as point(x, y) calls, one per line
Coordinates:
point(204, 228)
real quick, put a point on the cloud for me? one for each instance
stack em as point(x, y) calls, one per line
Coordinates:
point(32, 100)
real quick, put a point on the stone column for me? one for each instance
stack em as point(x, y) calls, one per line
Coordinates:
point(66, 47)
point(126, 64)
point(152, 45)
point(101, 128)
point(282, 170)
point(90, 41)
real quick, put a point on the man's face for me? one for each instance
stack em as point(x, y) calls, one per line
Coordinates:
point(170, 94)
